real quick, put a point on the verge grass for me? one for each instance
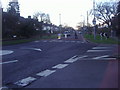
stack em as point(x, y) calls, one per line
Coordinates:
point(13, 42)
point(103, 41)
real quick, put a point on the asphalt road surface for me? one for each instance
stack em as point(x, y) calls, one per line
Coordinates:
point(65, 63)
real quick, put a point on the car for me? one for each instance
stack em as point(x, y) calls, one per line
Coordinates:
point(68, 33)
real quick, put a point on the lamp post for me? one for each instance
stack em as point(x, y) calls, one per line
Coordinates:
point(59, 35)
point(83, 20)
point(94, 19)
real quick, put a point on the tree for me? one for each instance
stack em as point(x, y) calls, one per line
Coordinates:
point(118, 20)
point(13, 8)
point(105, 11)
point(43, 17)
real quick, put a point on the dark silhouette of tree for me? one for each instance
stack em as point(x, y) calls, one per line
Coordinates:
point(105, 11)
point(13, 8)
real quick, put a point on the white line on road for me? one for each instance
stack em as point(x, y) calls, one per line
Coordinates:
point(82, 57)
point(60, 66)
point(45, 41)
point(67, 41)
point(101, 47)
point(109, 58)
point(46, 73)
point(37, 49)
point(9, 62)
point(97, 50)
point(36, 41)
point(101, 57)
point(73, 59)
point(5, 52)
point(73, 41)
point(25, 81)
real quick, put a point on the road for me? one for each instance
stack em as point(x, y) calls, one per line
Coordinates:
point(65, 63)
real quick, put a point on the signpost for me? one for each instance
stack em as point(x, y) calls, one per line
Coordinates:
point(94, 23)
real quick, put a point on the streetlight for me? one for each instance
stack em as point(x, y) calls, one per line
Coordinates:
point(83, 20)
point(59, 35)
point(94, 19)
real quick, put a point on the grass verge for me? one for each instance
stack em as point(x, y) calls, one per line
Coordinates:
point(103, 41)
point(20, 41)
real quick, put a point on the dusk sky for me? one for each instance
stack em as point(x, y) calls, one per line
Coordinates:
point(72, 11)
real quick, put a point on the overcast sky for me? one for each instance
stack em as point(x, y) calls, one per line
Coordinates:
point(71, 10)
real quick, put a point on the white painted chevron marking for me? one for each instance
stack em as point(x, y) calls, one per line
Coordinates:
point(25, 81)
point(46, 73)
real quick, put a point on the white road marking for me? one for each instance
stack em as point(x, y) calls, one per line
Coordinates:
point(73, 41)
point(9, 62)
point(25, 81)
point(67, 41)
point(109, 58)
point(101, 47)
point(5, 52)
point(37, 49)
point(101, 57)
point(82, 57)
point(60, 40)
point(78, 41)
point(97, 50)
point(36, 41)
point(82, 42)
point(45, 41)
point(60, 66)
point(51, 41)
point(71, 60)
point(46, 73)
point(4, 87)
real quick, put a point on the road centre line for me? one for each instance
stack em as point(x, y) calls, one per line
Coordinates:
point(60, 66)
point(97, 50)
point(101, 57)
point(9, 62)
point(46, 73)
point(25, 81)
point(101, 47)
